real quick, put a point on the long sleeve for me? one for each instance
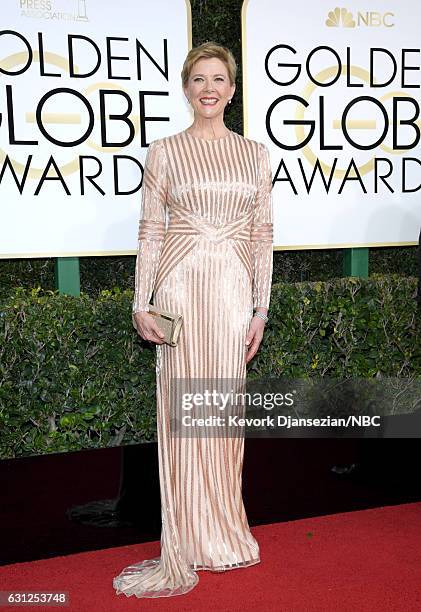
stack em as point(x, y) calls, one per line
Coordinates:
point(151, 225)
point(262, 233)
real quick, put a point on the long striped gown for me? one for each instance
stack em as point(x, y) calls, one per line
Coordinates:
point(205, 250)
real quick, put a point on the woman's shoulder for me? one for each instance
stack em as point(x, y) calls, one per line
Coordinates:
point(255, 145)
point(165, 143)
point(258, 144)
point(157, 143)
point(157, 149)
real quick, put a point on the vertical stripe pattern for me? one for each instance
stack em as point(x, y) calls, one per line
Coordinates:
point(212, 263)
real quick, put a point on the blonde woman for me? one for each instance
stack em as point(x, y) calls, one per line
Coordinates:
point(212, 264)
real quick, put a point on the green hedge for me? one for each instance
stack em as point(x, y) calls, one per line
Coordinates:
point(98, 273)
point(75, 375)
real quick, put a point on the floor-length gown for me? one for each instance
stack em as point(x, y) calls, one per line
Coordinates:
point(212, 262)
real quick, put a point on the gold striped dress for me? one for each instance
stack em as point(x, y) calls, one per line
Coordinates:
point(205, 250)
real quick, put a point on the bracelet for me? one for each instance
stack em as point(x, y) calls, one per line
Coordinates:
point(261, 316)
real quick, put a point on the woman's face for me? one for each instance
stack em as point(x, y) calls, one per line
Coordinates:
point(208, 87)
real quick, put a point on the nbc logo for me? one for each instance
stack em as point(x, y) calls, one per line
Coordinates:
point(341, 17)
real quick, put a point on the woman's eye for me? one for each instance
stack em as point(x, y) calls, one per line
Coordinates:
point(200, 79)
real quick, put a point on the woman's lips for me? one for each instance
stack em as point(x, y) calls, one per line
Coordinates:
point(209, 101)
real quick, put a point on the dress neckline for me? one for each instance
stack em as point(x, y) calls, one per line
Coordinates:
point(209, 139)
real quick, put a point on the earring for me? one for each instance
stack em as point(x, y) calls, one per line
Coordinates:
point(229, 101)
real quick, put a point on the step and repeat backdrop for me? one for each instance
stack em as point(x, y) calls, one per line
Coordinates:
point(334, 91)
point(86, 85)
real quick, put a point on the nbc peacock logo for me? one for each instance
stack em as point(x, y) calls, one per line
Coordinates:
point(340, 17)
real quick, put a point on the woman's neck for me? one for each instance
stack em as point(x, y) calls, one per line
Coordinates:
point(208, 129)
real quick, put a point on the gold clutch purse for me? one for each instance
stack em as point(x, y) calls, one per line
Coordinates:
point(168, 322)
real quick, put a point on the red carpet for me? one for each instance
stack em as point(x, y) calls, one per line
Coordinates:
point(355, 561)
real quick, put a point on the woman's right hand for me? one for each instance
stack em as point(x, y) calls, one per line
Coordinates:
point(147, 327)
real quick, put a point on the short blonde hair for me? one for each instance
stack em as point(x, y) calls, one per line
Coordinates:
point(207, 50)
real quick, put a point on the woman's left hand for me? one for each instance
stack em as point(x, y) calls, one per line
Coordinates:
point(254, 337)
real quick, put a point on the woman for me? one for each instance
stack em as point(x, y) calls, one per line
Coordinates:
point(213, 265)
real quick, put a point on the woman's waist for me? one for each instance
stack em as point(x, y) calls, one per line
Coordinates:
point(235, 229)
